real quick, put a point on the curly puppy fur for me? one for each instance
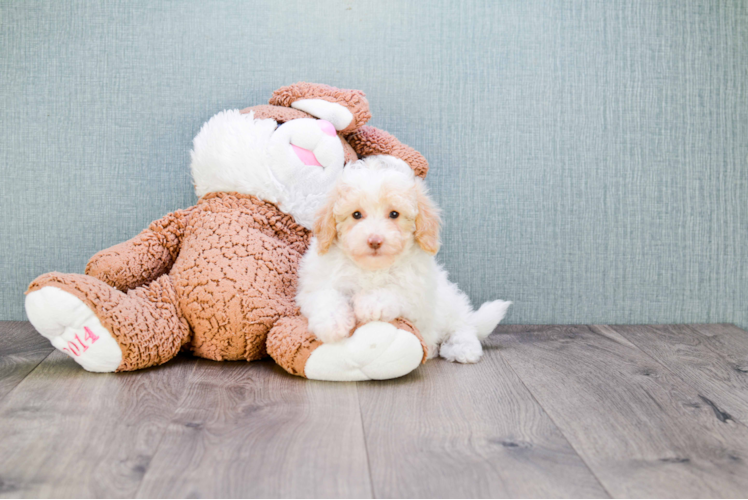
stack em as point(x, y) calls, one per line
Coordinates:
point(372, 259)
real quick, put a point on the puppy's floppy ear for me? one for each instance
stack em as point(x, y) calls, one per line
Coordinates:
point(325, 228)
point(427, 221)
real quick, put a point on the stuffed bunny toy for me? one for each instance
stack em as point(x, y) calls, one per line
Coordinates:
point(218, 279)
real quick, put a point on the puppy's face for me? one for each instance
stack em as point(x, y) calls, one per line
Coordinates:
point(376, 215)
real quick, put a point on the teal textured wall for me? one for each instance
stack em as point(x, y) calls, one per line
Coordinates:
point(591, 157)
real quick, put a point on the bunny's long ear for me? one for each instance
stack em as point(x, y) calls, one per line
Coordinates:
point(346, 109)
point(368, 141)
point(277, 113)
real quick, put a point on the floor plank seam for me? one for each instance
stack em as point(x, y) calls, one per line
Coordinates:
point(166, 429)
point(712, 349)
point(366, 444)
point(7, 395)
point(550, 417)
point(657, 410)
point(719, 413)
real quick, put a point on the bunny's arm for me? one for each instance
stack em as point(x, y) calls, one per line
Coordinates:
point(368, 141)
point(143, 258)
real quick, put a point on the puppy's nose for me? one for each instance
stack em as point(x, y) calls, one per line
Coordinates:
point(375, 241)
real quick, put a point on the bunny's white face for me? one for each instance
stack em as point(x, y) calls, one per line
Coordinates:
point(307, 154)
point(306, 159)
point(293, 165)
point(314, 142)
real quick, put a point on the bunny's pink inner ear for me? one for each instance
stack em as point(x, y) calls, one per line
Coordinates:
point(368, 141)
point(346, 109)
point(348, 152)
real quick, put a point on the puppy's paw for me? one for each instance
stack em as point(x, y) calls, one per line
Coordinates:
point(433, 350)
point(333, 326)
point(462, 349)
point(376, 306)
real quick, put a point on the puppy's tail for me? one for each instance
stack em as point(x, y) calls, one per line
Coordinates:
point(488, 316)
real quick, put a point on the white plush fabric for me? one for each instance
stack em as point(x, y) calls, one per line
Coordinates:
point(73, 328)
point(236, 152)
point(376, 351)
point(337, 114)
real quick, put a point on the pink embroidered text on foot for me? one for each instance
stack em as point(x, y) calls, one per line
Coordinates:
point(74, 349)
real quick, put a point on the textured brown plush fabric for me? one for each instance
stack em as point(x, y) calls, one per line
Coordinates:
point(143, 258)
point(236, 274)
point(369, 141)
point(232, 260)
point(290, 344)
point(354, 100)
point(145, 322)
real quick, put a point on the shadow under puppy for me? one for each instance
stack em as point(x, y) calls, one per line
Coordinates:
point(372, 259)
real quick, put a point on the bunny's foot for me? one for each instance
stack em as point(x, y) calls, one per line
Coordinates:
point(375, 351)
point(72, 327)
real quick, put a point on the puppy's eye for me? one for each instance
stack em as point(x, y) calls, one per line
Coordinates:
point(394, 215)
point(357, 214)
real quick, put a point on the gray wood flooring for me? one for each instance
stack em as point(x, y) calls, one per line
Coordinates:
point(550, 411)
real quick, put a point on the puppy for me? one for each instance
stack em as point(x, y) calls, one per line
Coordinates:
point(372, 259)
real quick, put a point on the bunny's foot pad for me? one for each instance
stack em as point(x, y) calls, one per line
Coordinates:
point(375, 351)
point(73, 328)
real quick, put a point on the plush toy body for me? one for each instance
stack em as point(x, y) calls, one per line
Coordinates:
point(219, 278)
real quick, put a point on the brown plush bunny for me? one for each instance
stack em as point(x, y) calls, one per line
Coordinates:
point(219, 278)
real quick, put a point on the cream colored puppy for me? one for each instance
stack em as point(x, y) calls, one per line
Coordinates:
point(372, 259)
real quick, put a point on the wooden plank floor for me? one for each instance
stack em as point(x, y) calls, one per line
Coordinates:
point(550, 411)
